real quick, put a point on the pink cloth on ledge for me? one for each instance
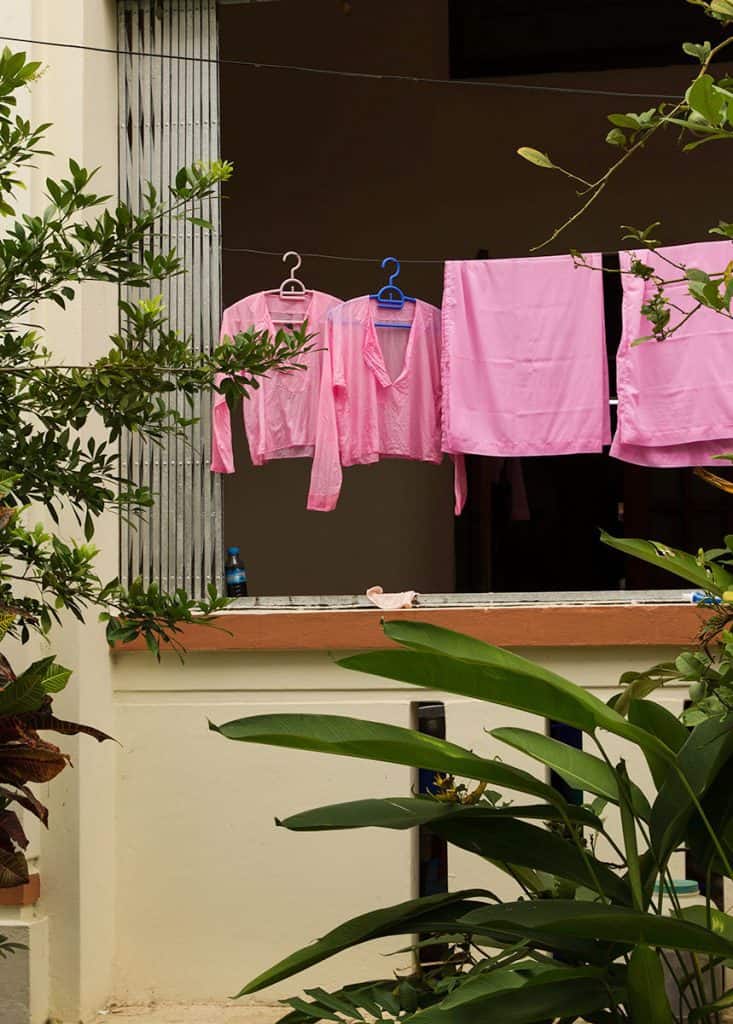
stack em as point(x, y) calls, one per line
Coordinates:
point(380, 395)
point(675, 397)
point(524, 357)
point(280, 415)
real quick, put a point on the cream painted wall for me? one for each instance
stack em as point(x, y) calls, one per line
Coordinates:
point(78, 95)
point(210, 892)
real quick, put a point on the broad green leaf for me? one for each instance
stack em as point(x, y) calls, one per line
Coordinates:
point(596, 921)
point(481, 985)
point(628, 826)
point(441, 659)
point(26, 693)
point(720, 923)
point(376, 741)
point(566, 994)
point(712, 577)
point(509, 841)
point(534, 156)
point(705, 753)
point(55, 678)
point(718, 807)
point(660, 722)
point(703, 97)
point(409, 812)
point(578, 768)
point(645, 981)
point(400, 919)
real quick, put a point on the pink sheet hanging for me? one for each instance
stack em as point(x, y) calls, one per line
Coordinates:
point(675, 397)
point(524, 357)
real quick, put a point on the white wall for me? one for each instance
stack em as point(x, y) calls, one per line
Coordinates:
point(210, 892)
point(78, 95)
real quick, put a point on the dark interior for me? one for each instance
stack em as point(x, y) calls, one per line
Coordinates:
point(503, 37)
point(365, 168)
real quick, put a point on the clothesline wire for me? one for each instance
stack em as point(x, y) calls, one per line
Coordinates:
point(336, 73)
point(327, 256)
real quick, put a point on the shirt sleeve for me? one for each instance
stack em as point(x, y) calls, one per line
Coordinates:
point(326, 474)
point(222, 456)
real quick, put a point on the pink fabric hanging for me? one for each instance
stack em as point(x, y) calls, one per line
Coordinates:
point(675, 397)
point(524, 357)
point(279, 416)
point(380, 395)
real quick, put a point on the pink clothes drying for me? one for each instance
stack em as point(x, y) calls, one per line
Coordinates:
point(380, 394)
point(675, 401)
point(280, 416)
point(524, 357)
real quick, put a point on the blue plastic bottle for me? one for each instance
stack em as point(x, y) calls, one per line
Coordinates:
point(235, 574)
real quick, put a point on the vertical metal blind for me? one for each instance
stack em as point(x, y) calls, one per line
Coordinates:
point(169, 117)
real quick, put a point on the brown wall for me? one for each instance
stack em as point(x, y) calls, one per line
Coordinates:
point(367, 167)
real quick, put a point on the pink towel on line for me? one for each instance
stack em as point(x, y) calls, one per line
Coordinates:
point(524, 357)
point(675, 397)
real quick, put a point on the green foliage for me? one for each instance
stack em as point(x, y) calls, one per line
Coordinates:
point(584, 936)
point(703, 115)
point(60, 424)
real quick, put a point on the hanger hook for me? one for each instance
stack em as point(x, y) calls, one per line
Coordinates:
point(297, 265)
point(396, 272)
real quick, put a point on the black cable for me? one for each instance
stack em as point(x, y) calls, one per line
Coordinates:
point(327, 256)
point(414, 79)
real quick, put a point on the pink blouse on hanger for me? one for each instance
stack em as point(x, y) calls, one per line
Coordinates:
point(380, 395)
point(280, 416)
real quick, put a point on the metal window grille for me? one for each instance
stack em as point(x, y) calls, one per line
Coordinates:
point(169, 117)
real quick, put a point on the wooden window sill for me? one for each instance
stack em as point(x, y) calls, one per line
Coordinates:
point(529, 624)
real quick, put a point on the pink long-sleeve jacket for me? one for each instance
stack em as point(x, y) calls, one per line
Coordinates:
point(380, 395)
point(280, 416)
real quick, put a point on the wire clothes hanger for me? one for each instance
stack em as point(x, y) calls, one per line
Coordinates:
point(391, 296)
point(291, 288)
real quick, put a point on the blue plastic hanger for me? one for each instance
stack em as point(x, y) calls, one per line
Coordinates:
point(391, 296)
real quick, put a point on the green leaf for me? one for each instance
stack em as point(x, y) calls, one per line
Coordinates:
point(377, 741)
point(26, 693)
point(565, 993)
point(705, 753)
point(712, 577)
point(410, 812)
point(720, 923)
point(509, 841)
point(440, 659)
point(660, 722)
point(700, 51)
point(645, 981)
point(576, 767)
point(534, 156)
point(616, 138)
point(706, 100)
point(401, 919)
point(628, 826)
point(595, 921)
point(625, 121)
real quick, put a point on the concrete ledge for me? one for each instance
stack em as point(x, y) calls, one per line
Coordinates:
point(24, 996)
point(552, 625)
point(22, 895)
